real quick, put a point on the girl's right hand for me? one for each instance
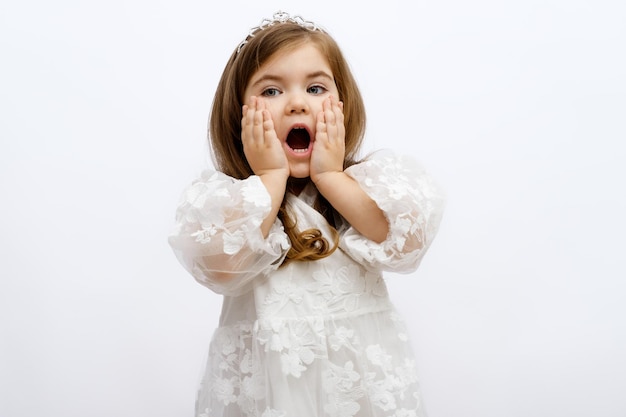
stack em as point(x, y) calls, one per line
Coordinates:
point(262, 148)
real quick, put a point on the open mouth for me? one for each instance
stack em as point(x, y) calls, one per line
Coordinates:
point(299, 139)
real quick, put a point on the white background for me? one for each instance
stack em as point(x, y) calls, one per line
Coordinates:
point(516, 107)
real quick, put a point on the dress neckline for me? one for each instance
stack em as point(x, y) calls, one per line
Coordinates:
point(308, 194)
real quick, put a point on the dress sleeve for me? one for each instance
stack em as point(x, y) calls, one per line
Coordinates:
point(412, 203)
point(217, 236)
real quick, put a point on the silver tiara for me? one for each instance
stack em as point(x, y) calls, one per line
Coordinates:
point(279, 17)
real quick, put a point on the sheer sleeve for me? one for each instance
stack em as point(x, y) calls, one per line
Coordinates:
point(217, 236)
point(412, 203)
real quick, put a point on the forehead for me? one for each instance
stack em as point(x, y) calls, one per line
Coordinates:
point(302, 57)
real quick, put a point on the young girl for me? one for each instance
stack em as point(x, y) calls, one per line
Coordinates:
point(295, 233)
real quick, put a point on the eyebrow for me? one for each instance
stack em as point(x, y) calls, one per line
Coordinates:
point(272, 77)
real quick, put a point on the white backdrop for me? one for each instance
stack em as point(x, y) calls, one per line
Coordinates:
point(517, 108)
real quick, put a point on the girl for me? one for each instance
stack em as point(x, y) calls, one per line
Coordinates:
point(295, 233)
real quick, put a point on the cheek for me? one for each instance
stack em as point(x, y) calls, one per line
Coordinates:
point(317, 106)
point(274, 108)
point(246, 96)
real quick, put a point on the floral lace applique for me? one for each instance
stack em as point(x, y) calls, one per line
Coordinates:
point(413, 206)
point(317, 339)
point(298, 346)
point(390, 383)
point(218, 232)
point(269, 412)
point(341, 338)
point(298, 342)
point(342, 387)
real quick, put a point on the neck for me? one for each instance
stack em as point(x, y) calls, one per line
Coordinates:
point(296, 185)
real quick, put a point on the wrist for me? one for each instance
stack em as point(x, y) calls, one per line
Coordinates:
point(327, 179)
point(275, 175)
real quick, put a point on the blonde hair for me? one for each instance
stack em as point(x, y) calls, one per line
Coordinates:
point(225, 120)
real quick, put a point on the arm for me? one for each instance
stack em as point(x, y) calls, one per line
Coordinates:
point(227, 231)
point(392, 207)
point(412, 204)
point(354, 205)
point(341, 191)
point(217, 236)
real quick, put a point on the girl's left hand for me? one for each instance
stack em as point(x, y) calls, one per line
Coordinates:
point(329, 147)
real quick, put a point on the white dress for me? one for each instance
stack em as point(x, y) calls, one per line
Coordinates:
point(308, 339)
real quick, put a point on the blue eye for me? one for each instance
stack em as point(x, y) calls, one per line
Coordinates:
point(270, 92)
point(316, 89)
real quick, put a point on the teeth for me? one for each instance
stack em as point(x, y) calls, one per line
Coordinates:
point(300, 150)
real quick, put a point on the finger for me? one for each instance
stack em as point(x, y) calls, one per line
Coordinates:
point(252, 102)
point(321, 128)
point(247, 120)
point(330, 119)
point(245, 123)
point(244, 119)
point(337, 107)
point(249, 108)
point(339, 113)
point(268, 127)
point(339, 119)
point(257, 124)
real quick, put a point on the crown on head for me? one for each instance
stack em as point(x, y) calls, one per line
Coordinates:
point(279, 17)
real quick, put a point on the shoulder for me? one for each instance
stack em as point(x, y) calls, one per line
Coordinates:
point(214, 178)
point(386, 163)
point(215, 187)
point(385, 175)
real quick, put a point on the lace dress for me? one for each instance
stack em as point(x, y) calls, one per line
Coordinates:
point(308, 339)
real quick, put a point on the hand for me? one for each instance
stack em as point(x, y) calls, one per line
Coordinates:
point(262, 148)
point(329, 147)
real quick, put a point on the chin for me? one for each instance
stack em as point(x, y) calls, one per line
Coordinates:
point(299, 170)
point(299, 175)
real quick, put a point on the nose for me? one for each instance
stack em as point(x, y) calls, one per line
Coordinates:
point(297, 104)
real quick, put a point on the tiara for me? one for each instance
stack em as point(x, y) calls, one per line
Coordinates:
point(279, 17)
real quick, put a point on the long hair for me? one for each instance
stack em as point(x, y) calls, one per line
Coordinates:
point(225, 120)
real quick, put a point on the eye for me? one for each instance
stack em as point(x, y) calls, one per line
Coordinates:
point(270, 92)
point(316, 89)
